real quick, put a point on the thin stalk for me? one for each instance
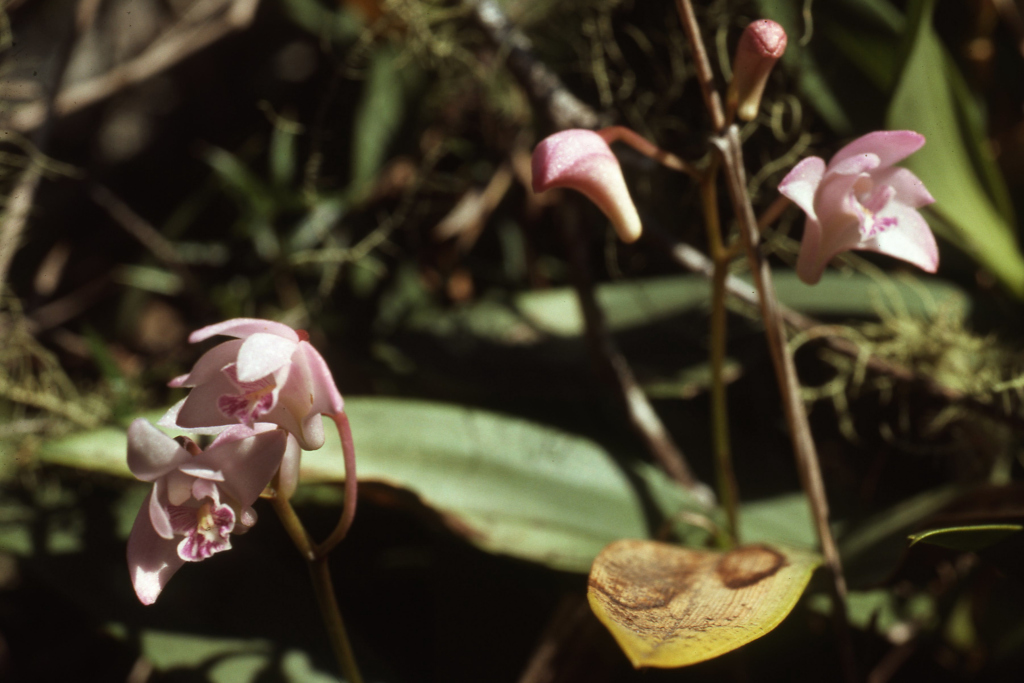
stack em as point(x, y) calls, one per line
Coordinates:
point(808, 466)
point(706, 78)
point(323, 587)
point(348, 512)
point(728, 490)
point(320, 573)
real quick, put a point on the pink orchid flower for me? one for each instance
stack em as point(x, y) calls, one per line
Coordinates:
point(199, 498)
point(270, 373)
point(581, 160)
point(861, 201)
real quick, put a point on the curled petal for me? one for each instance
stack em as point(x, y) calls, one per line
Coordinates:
point(152, 560)
point(801, 183)
point(891, 146)
point(158, 516)
point(581, 160)
point(242, 328)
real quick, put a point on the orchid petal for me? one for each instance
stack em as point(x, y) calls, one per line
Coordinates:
point(209, 364)
point(801, 183)
point(328, 399)
point(261, 354)
point(151, 453)
point(581, 160)
point(200, 409)
point(288, 475)
point(242, 328)
point(152, 560)
point(910, 240)
point(891, 146)
point(910, 191)
point(158, 516)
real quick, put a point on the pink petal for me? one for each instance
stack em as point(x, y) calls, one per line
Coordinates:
point(288, 476)
point(151, 560)
point(910, 240)
point(200, 409)
point(910, 191)
point(327, 398)
point(151, 453)
point(170, 421)
point(261, 354)
point(581, 160)
point(248, 464)
point(158, 516)
point(891, 146)
point(801, 183)
point(209, 364)
point(810, 264)
point(242, 328)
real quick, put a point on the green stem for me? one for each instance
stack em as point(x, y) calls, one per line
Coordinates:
point(326, 599)
point(728, 491)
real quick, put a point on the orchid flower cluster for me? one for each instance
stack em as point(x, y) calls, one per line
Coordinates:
point(859, 200)
point(263, 394)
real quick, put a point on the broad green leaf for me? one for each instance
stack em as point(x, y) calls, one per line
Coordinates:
point(668, 606)
point(966, 538)
point(784, 519)
point(508, 485)
point(925, 100)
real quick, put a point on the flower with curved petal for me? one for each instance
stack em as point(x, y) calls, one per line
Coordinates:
point(269, 373)
point(198, 499)
point(860, 200)
point(581, 160)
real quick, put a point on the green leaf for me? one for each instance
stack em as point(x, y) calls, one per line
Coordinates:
point(669, 607)
point(930, 100)
point(379, 113)
point(966, 538)
point(784, 519)
point(508, 485)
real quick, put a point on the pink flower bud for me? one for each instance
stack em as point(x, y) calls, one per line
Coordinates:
point(860, 200)
point(761, 45)
point(581, 160)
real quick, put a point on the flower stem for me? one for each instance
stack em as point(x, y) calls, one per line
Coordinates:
point(348, 512)
point(326, 599)
point(320, 572)
point(728, 491)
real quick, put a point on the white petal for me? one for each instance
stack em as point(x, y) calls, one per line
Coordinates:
point(261, 354)
point(801, 183)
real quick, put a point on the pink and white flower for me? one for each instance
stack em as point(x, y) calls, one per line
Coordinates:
point(269, 373)
point(199, 498)
point(860, 200)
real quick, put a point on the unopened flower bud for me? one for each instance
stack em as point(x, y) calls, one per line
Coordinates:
point(581, 160)
point(761, 45)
